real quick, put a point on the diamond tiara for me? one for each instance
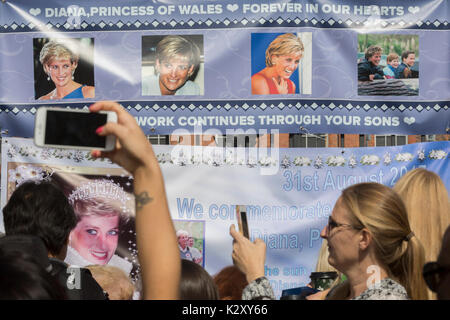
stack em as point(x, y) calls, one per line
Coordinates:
point(99, 189)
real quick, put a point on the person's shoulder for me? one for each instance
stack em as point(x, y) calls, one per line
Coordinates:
point(363, 63)
point(386, 289)
point(259, 84)
point(258, 289)
point(78, 282)
point(88, 91)
point(258, 77)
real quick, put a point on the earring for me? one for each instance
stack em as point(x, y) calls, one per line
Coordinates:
point(48, 78)
point(73, 76)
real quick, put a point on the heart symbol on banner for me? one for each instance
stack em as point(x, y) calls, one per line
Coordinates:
point(409, 120)
point(413, 9)
point(232, 7)
point(35, 12)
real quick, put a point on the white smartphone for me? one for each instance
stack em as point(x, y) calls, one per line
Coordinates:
point(72, 128)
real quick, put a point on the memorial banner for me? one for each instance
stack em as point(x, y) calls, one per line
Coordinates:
point(353, 66)
point(288, 194)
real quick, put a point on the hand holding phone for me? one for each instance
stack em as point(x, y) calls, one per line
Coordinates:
point(72, 128)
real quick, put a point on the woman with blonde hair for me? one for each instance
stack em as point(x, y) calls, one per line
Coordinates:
point(282, 58)
point(426, 201)
point(369, 240)
point(59, 59)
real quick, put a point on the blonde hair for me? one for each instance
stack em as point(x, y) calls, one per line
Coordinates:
point(427, 204)
point(391, 56)
point(171, 46)
point(114, 281)
point(57, 49)
point(284, 44)
point(380, 210)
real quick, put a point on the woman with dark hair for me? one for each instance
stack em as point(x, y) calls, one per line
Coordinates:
point(23, 278)
point(196, 283)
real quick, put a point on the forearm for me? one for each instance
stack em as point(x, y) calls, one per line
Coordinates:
point(157, 245)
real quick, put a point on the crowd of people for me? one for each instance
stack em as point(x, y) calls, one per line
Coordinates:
point(396, 231)
point(398, 67)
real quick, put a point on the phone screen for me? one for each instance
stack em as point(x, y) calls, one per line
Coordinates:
point(74, 129)
point(241, 212)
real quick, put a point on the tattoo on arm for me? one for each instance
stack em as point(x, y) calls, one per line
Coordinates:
point(142, 199)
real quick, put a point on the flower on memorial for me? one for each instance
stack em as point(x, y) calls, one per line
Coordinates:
point(230, 157)
point(302, 161)
point(318, 163)
point(251, 162)
point(387, 159)
point(404, 157)
point(240, 159)
point(336, 161)
point(27, 151)
point(213, 157)
point(179, 159)
point(352, 163)
point(197, 158)
point(78, 156)
point(12, 151)
point(421, 155)
point(24, 173)
point(285, 163)
point(437, 154)
point(46, 153)
point(370, 160)
point(266, 162)
point(160, 157)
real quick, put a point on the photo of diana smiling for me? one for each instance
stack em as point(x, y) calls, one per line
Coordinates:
point(172, 65)
point(104, 207)
point(64, 68)
point(99, 205)
point(281, 63)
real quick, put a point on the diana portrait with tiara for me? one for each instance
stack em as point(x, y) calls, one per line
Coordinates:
point(101, 206)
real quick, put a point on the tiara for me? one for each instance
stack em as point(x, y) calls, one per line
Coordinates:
point(106, 189)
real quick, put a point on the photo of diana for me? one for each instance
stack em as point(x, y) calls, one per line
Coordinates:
point(172, 65)
point(281, 63)
point(103, 209)
point(63, 68)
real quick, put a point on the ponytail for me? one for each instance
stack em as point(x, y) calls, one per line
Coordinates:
point(408, 269)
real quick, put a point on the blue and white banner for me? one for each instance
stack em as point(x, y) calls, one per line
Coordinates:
point(289, 193)
point(323, 78)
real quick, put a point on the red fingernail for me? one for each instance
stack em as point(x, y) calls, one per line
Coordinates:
point(99, 130)
point(95, 153)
